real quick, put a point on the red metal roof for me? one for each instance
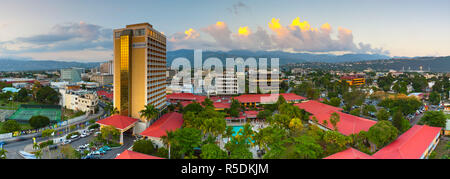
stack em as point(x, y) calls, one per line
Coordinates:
point(350, 153)
point(118, 121)
point(258, 98)
point(251, 114)
point(106, 94)
point(411, 144)
point(128, 154)
point(347, 125)
point(186, 96)
point(221, 105)
point(167, 122)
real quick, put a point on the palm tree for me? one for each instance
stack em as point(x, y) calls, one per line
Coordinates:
point(3, 153)
point(110, 108)
point(149, 112)
point(168, 139)
point(38, 154)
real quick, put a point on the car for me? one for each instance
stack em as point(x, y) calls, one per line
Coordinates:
point(83, 135)
point(106, 148)
point(52, 147)
point(73, 136)
point(68, 141)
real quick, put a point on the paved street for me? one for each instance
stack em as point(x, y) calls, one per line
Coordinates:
point(16, 146)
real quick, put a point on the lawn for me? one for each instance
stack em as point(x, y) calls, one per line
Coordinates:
point(22, 126)
point(69, 114)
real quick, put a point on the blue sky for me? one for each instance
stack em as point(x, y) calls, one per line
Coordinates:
point(47, 29)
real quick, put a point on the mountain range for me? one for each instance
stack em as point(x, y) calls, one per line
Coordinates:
point(9, 64)
point(284, 57)
point(37, 65)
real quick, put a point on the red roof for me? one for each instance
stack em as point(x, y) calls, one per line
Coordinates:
point(258, 98)
point(167, 122)
point(185, 103)
point(221, 105)
point(347, 125)
point(350, 153)
point(128, 154)
point(186, 96)
point(251, 114)
point(410, 145)
point(106, 94)
point(118, 121)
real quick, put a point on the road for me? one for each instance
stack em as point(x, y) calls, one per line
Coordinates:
point(15, 146)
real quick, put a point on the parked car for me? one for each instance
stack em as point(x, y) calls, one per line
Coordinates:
point(68, 141)
point(83, 135)
point(53, 147)
point(73, 136)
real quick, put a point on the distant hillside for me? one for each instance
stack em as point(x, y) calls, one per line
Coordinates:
point(36, 65)
point(433, 64)
point(285, 57)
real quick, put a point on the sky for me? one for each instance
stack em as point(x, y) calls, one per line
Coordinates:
point(82, 30)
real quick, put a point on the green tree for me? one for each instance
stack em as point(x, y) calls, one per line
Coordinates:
point(335, 141)
point(335, 101)
point(382, 115)
point(149, 112)
point(47, 132)
point(110, 133)
point(47, 95)
point(208, 102)
point(168, 140)
point(10, 126)
point(355, 112)
point(39, 121)
point(306, 147)
point(334, 120)
point(22, 95)
point(212, 151)
point(400, 122)
point(144, 146)
point(187, 139)
point(434, 118)
point(434, 98)
point(241, 151)
point(382, 133)
point(193, 107)
point(3, 153)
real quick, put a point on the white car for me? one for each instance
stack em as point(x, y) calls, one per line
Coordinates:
point(83, 135)
point(73, 136)
point(67, 141)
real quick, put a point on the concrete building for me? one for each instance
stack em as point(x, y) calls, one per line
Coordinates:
point(227, 84)
point(103, 79)
point(107, 67)
point(80, 100)
point(139, 69)
point(71, 74)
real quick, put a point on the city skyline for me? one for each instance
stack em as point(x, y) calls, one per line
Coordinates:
point(82, 30)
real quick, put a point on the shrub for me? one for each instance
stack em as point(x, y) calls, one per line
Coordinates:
point(39, 121)
point(10, 126)
point(94, 126)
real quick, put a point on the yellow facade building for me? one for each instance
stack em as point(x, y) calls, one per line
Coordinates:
point(139, 69)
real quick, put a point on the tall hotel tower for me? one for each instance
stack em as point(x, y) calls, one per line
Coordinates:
point(139, 69)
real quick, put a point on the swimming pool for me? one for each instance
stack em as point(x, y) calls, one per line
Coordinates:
point(236, 130)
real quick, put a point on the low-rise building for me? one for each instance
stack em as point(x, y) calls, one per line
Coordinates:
point(102, 79)
point(80, 100)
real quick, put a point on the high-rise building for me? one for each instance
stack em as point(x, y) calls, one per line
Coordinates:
point(107, 67)
point(139, 69)
point(71, 74)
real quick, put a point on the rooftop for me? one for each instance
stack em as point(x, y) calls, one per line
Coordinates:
point(118, 121)
point(411, 144)
point(128, 154)
point(167, 122)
